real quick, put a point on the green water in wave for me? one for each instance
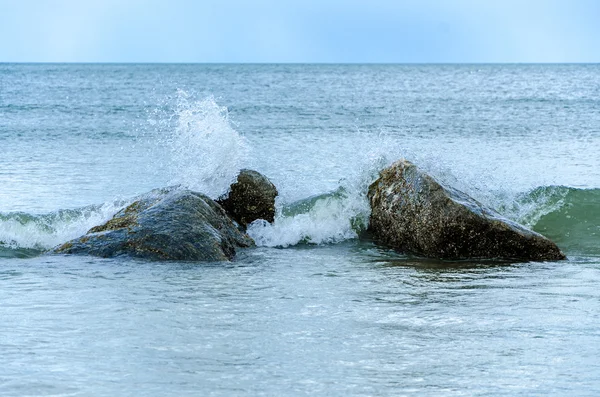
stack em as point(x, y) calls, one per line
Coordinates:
point(573, 219)
point(568, 216)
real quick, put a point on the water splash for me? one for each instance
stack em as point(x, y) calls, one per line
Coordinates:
point(192, 140)
point(205, 152)
point(323, 219)
point(196, 143)
point(331, 217)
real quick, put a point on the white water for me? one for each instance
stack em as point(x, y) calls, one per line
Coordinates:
point(205, 152)
point(197, 146)
point(329, 220)
point(200, 148)
point(41, 232)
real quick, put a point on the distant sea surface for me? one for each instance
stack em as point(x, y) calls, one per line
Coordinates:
point(316, 308)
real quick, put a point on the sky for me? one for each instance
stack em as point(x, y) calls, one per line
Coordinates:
point(300, 31)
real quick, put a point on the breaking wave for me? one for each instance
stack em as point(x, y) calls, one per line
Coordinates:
point(25, 235)
point(568, 216)
point(198, 144)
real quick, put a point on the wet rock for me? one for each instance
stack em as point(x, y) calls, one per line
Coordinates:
point(167, 224)
point(411, 212)
point(252, 197)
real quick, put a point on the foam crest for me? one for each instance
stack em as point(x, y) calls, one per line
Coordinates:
point(570, 217)
point(335, 216)
point(530, 206)
point(42, 232)
point(328, 218)
point(205, 151)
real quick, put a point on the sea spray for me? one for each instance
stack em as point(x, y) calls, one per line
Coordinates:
point(331, 217)
point(192, 141)
point(323, 219)
point(343, 213)
point(195, 143)
point(204, 151)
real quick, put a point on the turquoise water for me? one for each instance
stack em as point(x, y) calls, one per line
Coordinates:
point(317, 308)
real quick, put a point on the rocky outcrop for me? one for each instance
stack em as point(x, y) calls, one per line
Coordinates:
point(412, 212)
point(252, 197)
point(167, 224)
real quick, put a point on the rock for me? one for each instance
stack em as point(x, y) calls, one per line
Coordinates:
point(411, 212)
point(167, 224)
point(252, 197)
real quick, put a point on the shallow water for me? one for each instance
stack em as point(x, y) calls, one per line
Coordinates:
point(315, 310)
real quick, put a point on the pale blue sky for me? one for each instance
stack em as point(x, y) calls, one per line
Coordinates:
point(300, 31)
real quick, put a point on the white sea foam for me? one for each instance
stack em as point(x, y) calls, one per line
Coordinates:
point(196, 143)
point(332, 217)
point(329, 219)
point(20, 230)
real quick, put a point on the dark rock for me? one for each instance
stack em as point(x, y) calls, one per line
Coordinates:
point(252, 197)
point(166, 224)
point(411, 212)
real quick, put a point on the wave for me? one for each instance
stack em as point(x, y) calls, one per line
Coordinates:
point(568, 216)
point(326, 218)
point(332, 217)
point(192, 140)
point(26, 235)
point(195, 141)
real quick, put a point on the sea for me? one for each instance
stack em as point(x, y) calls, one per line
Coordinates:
point(317, 308)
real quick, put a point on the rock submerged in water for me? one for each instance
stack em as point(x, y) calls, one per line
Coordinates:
point(250, 198)
point(167, 224)
point(411, 212)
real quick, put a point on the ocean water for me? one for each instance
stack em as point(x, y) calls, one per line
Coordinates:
point(316, 308)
